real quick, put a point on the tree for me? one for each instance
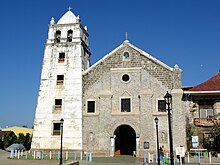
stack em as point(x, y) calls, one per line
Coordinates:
point(21, 138)
point(27, 142)
point(216, 130)
point(9, 139)
point(216, 135)
point(189, 133)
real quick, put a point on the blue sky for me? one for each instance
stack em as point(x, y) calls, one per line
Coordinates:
point(183, 32)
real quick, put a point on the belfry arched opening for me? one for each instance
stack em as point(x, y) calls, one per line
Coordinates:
point(125, 140)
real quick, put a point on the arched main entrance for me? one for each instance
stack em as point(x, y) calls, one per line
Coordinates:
point(125, 140)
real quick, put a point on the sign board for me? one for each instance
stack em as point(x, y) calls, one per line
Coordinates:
point(195, 141)
point(180, 151)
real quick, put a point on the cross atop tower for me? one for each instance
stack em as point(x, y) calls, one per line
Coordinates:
point(69, 8)
point(126, 35)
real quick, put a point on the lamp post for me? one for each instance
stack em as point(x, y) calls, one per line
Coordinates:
point(61, 141)
point(158, 149)
point(168, 99)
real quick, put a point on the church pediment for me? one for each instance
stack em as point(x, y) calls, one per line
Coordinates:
point(127, 53)
point(129, 56)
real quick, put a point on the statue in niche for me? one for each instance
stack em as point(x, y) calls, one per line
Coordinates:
point(163, 137)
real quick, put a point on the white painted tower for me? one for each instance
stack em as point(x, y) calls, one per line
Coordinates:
point(66, 55)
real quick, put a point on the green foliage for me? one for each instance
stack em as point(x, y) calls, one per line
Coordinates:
point(21, 138)
point(27, 141)
point(189, 134)
point(9, 139)
point(216, 131)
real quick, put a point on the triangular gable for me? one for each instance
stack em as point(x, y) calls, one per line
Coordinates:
point(67, 18)
point(135, 48)
point(126, 94)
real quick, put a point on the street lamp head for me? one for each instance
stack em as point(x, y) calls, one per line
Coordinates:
point(156, 120)
point(61, 120)
point(168, 98)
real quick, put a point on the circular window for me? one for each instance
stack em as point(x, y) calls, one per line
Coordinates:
point(126, 55)
point(125, 77)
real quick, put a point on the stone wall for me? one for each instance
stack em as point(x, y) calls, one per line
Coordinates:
point(148, 83)
point(161, 73)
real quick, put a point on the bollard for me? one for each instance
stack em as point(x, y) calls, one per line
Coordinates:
point(67, 155)
point(58, 155)
point(210, 157)
point(86, 156)
point(19, 154)
point(34, 155)
point(42, 155)
point(81, 156)
point(188, 157)
point(12, 154)
point(90, 157)
point(50, 155)
point(74, 155)
point(199, 156)
point(26, 156)
point(145, 158)
point(16, 153)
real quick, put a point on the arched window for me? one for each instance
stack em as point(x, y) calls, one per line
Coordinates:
point(57, 36)
point(69, 35)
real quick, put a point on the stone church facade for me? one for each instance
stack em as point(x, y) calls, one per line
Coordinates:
point(108, 108)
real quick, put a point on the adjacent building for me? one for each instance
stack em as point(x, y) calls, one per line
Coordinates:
point(18, 130)
point(202, 104)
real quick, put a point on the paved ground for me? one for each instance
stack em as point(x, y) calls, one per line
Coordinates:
point(4, 160)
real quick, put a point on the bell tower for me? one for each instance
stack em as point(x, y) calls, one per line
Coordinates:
point(66, 55)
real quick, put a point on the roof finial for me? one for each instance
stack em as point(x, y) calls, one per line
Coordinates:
point(69, 8)
point(126, 35)
point(52, 22)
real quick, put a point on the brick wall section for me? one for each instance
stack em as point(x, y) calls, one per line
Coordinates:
point(116, 61)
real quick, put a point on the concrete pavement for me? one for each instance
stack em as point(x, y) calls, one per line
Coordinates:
point(4, 160)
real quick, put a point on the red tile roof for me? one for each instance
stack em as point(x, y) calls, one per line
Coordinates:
point(213, 84)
